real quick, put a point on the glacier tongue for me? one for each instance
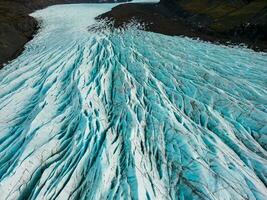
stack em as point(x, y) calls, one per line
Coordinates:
point(130, 114)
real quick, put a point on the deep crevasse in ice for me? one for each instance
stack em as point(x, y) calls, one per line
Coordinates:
point(130, 115)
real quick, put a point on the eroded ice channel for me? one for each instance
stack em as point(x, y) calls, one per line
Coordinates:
point(130, 115)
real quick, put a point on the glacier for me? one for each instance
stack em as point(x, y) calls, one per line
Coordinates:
point(89, 113)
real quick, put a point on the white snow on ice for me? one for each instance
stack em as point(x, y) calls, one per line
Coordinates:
point(129, 114)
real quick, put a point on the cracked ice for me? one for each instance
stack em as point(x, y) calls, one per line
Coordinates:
point(129, 114)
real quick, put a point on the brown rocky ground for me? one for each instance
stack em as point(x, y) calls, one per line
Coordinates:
point(16, 28)
point(224, 21)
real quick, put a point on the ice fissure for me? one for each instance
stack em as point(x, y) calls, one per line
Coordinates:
point(128, 114)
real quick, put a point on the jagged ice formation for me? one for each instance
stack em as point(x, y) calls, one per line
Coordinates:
point(128, 114)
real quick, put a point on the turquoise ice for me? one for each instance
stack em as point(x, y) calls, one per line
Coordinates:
point(129, 114)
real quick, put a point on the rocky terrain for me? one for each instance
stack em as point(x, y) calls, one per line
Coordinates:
point(225, 21)
point(16, 28)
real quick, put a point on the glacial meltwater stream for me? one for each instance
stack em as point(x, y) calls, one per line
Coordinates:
point(90, 113)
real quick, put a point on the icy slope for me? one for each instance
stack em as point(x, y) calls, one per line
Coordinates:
point(130, 115)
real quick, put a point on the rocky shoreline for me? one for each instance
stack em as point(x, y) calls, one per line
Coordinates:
point(168, 17)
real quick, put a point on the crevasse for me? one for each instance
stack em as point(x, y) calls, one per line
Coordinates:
point(128, 114)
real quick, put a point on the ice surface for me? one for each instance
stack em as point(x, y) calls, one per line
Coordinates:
point(129, 114)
